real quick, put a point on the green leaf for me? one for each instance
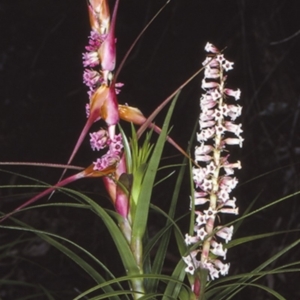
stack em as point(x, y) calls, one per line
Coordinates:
point(46, 236)
point(230, 290)
point(251, 238)
point(142, 209)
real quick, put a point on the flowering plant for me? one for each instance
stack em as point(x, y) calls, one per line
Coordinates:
point(130, 170)
point(214, 181)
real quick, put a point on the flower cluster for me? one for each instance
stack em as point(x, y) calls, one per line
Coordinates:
point(93, 78)
point(99, 140)
point(99, 62)
point(214, 180)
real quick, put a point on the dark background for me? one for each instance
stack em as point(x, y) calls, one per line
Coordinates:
point(42, 110)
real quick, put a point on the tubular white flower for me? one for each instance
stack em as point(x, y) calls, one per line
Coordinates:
point(214, 180)
point(225, 233)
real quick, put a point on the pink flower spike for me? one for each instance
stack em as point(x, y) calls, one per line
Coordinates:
point(211, 48)
point(233, 93)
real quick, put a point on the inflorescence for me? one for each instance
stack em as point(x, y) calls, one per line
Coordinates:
point(214, 180)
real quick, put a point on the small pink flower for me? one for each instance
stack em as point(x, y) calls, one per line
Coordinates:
point(206, 124)
point(90, 59)
point(91, 77)
point(211, 167)
point(225, 233)
point(105, 161)
point(200, 220)
point(234, 211)
point(209, 213)
point(215, 94)
point(223, 268)
point(198, 176)
point(211, 62)
point(218, 249)
point(118, 86)
point(99, 139)
point(230, 203)
point(211, 48)
point(234, 128)
point(233, 93)
point(234, 141)
point(209, 84)
point(207, 115)
point(227, 65)
point(223, 195)
point(205, 134)
point(192, 262)
point(218, 115)
point(201, 233)
point(233, 111)
point(211, 73)
point(203, 149)
point(206, 185)
point(228, 181)
point(204, 157)
point(87, 110)
point(220, 58)
point(189, 240)
point(229, 167)
point(199, 200)
point(207, 102)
